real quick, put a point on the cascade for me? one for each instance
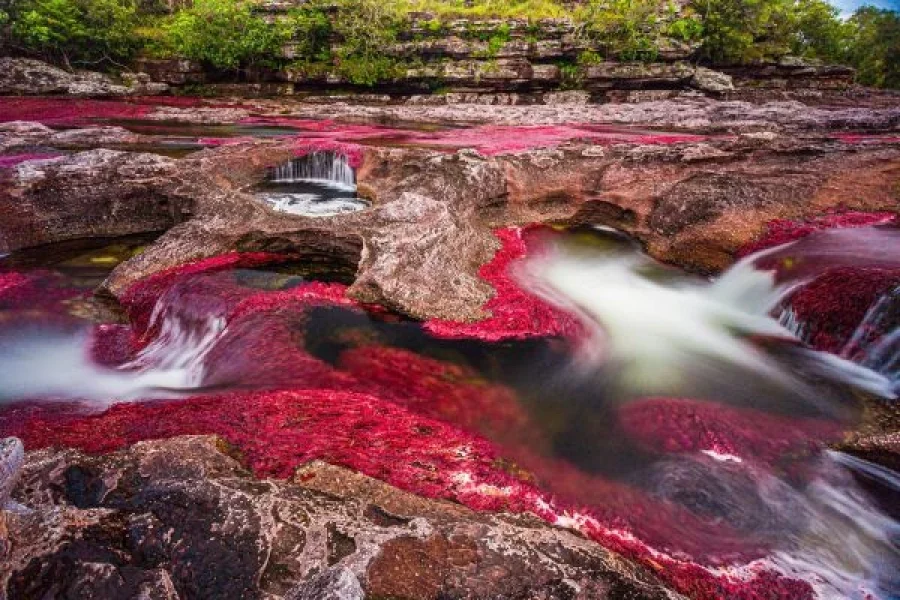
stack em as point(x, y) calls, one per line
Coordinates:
point(323, 168)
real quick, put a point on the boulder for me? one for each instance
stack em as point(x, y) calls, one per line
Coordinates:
point(23, 76)
point(182, 517)
point(711, 81)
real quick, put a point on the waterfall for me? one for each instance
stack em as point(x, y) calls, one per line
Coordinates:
point(875, 344)
point(324, 168)
point(658, 335)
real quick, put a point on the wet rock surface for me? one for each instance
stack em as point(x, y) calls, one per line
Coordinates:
point(430, 227)
point(181, 518)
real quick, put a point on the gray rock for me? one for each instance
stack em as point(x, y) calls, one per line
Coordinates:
point(711, 81)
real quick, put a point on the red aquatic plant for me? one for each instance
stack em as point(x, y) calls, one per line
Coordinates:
point(514, 312)
point(833, 305)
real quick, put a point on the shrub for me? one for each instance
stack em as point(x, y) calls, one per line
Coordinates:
point(875, 46)
point(365, 30)
point(629, 29)
point(75, 32)
point(740, 31)
point(225, 34)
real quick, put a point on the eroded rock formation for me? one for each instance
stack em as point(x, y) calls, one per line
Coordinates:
point(693, 202)
point(182, 518)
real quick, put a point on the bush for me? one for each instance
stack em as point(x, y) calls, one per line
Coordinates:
point(225, 34)
point(365, 29)
point(76, 32)
point(741, 31)
point(875, 46)
point(635, 29)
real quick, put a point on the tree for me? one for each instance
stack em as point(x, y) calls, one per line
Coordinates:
point(76, 31)
point(875, 46)
point(225, 34)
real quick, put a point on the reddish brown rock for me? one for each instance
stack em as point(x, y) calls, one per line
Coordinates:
point(181, 518)
point(418, 249)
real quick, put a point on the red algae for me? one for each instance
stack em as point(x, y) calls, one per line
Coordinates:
point(514, 312)
point(866, 138)
point(782, 231)
point(353, 152)
point(832, 306)
point(66, 111)
point(429, 426)
point(34, 290)
point(488, 139)
point(669, 425)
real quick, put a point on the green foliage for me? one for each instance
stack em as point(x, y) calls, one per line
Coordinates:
point(740, 31)
point(685, 29)
point(502, 9)
point(496, 41)
point(353, 38)
point(75, 31)
point(628, 29)
point(310, 28)
point(819, 31)
point(225, 34)
point(875, 46)
point(589, 57)
point(365, 29)
point(570, 75)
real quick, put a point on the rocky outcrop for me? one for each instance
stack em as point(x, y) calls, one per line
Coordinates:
point(24, 77)
point(691, 200)
point(95, 193)
point(182, 518)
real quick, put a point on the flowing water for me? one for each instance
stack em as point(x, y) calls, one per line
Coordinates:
point(319, 184)
point(690, 416)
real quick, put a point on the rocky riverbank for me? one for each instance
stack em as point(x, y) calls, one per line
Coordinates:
point(154, 505)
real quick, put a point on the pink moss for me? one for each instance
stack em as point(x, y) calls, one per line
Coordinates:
point(514, 312)
point(500, 139)
point(782, 231)
point(866, 138)
point(668, 425)
point(353, 152)
point(64, 111)
point(34, 290)
point(429, 426)
point(832, 306)
point(14, 159)
point(487, 139)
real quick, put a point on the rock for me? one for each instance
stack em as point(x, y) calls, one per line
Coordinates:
point(711, 81)
point(576, 97)
point(181, 516)
point(171, 71)
point(23, 76)
point(419, 248)
point(95, 193)
point(12, 456)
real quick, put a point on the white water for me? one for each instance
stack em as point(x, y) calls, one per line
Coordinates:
point(654, 333)
point(324, 182)
point(324, 168)
point(664, 335)
point(46, 364)
point(847, 547)
point(312, 205)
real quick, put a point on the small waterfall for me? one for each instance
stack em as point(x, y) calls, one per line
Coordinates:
point(320, 184)
point(875, 344)
point(323, 168)
point(656, 335)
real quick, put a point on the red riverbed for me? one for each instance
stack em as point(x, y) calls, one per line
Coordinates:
point(432, 426)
